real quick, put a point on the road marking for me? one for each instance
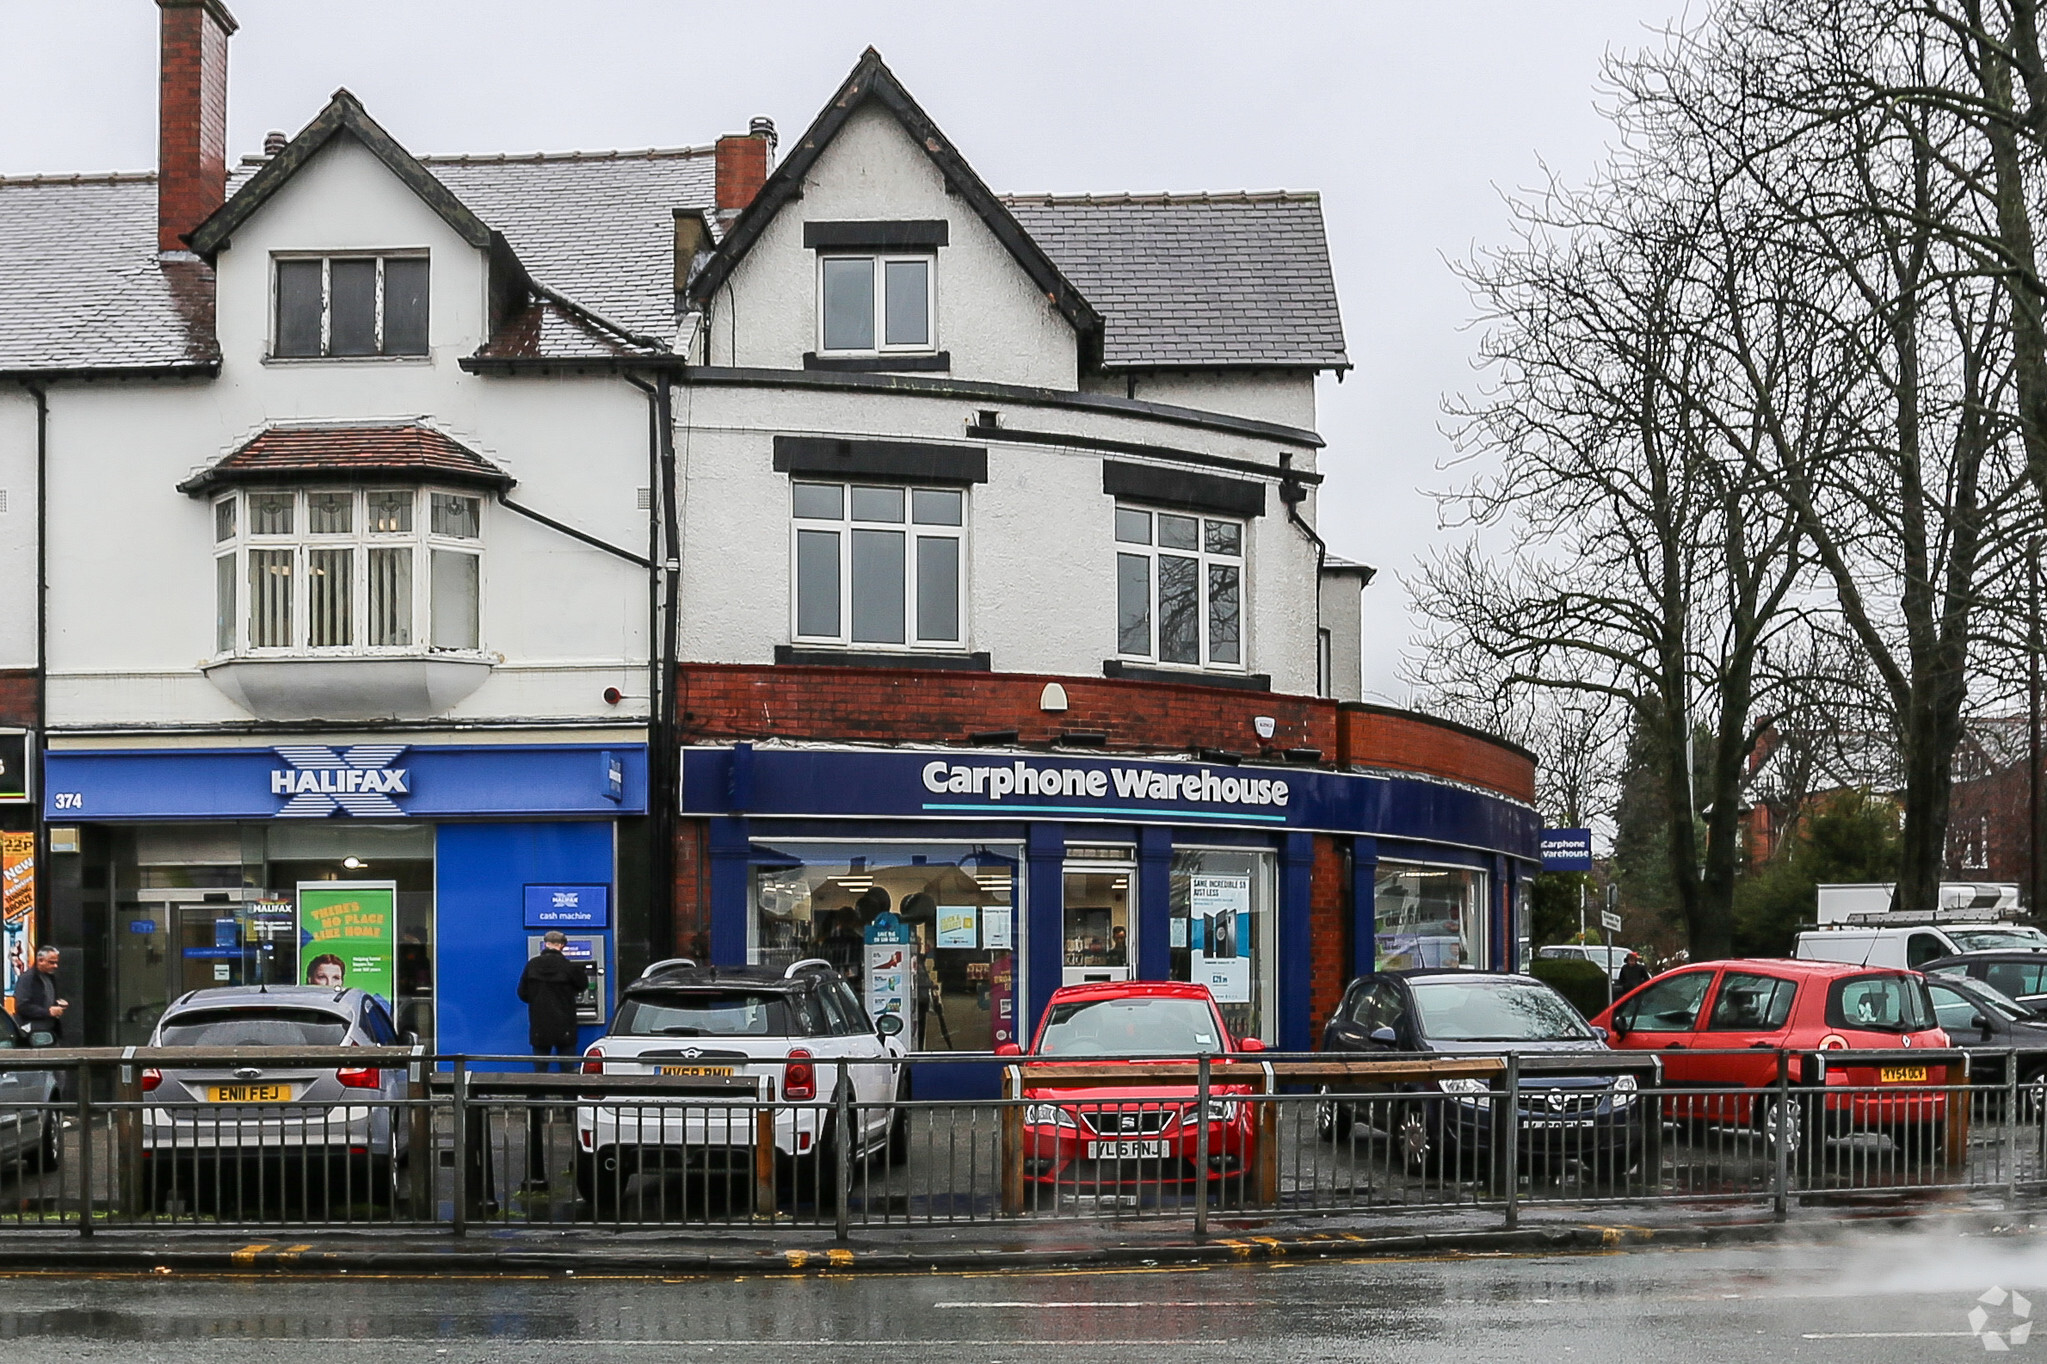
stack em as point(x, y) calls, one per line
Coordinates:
point(1885, 1335)
point(1019, 1302)
point(249, 1252)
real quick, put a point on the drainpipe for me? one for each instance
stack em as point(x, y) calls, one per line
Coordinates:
point(1293, 494)
point(41, 851)
point(662, 788)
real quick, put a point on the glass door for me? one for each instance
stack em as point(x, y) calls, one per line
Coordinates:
point(1100, 922)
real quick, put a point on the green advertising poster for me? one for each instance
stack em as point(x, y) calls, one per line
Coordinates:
point(348, 935)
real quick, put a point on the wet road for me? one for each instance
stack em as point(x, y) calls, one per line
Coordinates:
point(1879, 1297)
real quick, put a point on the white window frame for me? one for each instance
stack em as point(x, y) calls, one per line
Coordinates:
point(327, 259)
point(301, 540)
point(1203, 558)
point(879, 261)
point(913, 531)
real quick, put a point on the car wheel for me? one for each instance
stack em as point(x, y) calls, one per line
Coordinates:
point(49, 1148)
point(1783, 1120)
point(1414, 1143)
point(2032, 1095)
point(1333, 1119)
point(597, 1184)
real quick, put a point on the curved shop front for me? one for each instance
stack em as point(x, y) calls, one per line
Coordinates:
point(961, 887)
point(425, 873)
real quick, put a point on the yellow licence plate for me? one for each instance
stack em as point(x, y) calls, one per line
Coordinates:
point(696, 1070)
point(1901, 1075)
point(249, 1094)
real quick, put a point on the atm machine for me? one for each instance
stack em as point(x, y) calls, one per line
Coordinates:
point(582, 913)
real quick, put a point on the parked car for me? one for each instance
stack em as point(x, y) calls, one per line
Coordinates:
point(780, 1029)
point(1996, 937)
point(339, 1124)
point(1588, 1118)
point(30, 1128)
point(1607, 959)
point(1866, 945)
point(2017, 974)
point(1719, 1025)
point(1145, 1133)
point(1986, 1023)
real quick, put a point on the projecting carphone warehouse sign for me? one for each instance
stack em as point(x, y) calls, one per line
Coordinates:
point(940, 786)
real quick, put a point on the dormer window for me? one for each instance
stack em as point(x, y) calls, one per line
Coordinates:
point(875, 304)
point(331, 307)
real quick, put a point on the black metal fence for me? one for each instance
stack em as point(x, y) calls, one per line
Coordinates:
point(458, 1143)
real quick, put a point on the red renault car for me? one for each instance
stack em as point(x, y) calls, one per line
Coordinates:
point(1097, 1137)
point(1719, 1025)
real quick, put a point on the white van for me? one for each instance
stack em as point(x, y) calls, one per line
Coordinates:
point(1866, 945)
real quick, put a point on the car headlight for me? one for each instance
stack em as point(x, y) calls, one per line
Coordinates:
point(1219, 1110)
point(1048, 1115)
point(1624, 1087)
point(1462, 1085)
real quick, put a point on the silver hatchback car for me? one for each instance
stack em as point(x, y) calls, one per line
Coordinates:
point(342, 1123)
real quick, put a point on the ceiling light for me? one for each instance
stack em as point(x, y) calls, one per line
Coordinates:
point(353, 863)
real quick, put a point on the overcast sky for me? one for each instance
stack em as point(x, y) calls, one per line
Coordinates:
point(1410, 118)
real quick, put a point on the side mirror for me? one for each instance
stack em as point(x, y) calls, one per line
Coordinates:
point(1009, 1049)
point(1250, 1044)
point(41, 1039)
point(1621, 1026)
point(1600, 1033)
point(1385, 1037)
point(888, 1025)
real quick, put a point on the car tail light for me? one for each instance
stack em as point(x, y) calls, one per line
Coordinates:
point(360, 1077)
point(593, 1061)
point(151, 1079)
point(799, 1077)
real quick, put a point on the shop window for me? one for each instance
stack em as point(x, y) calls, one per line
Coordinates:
point(1221, 932)
point(948, 956)
point(1429, 916)
point(879, 566)
point(350, 306)
point(347, 570)
point(1179, 588)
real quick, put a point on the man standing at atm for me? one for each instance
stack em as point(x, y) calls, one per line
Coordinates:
point(550, 986)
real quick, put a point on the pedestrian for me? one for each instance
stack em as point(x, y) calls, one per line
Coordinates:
point(551, 985)
point(38, 1003)
point(1633, 973)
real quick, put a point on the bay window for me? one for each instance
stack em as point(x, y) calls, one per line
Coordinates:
point(879, 565)
point(346, 570)
point(1179, 588)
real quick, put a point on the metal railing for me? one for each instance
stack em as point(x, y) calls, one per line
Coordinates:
point(460, 1143)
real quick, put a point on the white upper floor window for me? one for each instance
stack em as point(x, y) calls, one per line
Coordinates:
point(347, 571)
point(360, 305)
point(1179, 588)
point(875, 304)
point(879, 566)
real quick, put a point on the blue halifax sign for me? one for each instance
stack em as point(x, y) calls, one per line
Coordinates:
point(1567, 850)
point(587, 906)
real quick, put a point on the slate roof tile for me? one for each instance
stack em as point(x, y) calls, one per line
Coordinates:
point(353, 450)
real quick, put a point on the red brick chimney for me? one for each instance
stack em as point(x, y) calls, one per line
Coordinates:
point(191, 117)
point(742, 164)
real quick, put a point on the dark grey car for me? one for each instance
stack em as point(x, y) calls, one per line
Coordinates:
point(30, 1125)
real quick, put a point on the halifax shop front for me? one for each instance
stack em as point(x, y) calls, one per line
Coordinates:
point(959, 888)
point(423, 873)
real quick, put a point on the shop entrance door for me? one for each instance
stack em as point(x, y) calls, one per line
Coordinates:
point(1100, 921)
point(169, 941)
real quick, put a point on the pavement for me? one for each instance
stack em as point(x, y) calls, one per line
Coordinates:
point(1871, 1295)
point(969, 1247)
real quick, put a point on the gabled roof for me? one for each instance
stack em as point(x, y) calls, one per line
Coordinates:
point(873, 81)
point(1198, 281)
point(293, 454)
point(82, 289)
point(344, 114)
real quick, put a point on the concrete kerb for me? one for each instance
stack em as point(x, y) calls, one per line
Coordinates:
point(331, 1254)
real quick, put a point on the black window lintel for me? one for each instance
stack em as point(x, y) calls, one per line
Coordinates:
point(906, 234)
point(908, 461)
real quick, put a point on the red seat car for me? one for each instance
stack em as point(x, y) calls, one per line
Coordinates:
point(1719, 1025)
point(1113, 1136)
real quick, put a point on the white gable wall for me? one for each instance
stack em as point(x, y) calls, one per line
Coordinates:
point(18, 528)
point(992, 319)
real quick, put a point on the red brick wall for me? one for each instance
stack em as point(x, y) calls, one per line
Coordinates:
point(741, 166)
point(191, 119)
point(1329, 934)
point(692, 889)
point(721, 702)
point(18, 698)
point(1377, 737)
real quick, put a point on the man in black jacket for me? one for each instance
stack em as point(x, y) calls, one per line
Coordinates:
point(37, 1004)
point(551, 985)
